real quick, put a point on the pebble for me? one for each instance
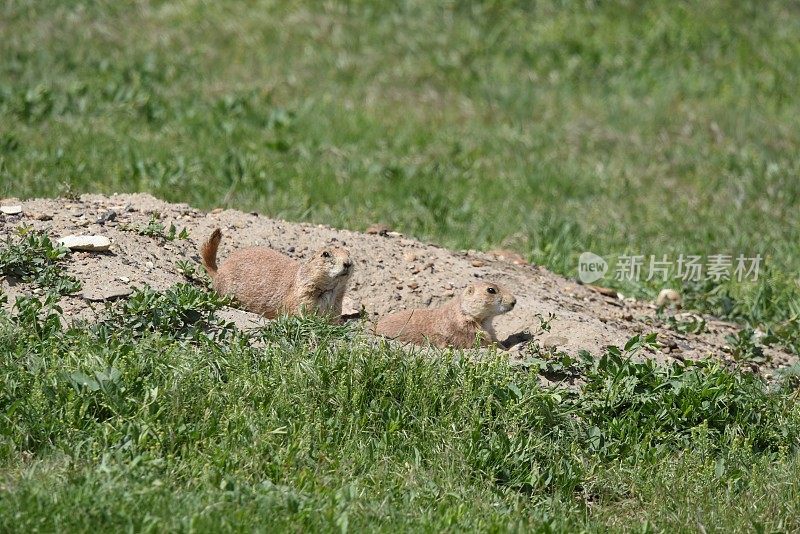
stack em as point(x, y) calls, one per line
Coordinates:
point(148, 264)
point(88, 243)
point(123, 279)
point(351, 307)
point(413, 285)
point(551, 342)
point(410, 256)
point(608, 292)
point(15, 209)
point(110, 215)
point(378, 229)
point(477, 263)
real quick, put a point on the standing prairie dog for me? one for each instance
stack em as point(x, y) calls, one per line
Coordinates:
point(266, 282)
point(457, 323)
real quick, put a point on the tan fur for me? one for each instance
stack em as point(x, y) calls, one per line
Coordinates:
point(457, 323)
point(269, 283)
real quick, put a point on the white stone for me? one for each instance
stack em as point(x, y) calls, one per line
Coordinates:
point(88, 243)
point(11, 210)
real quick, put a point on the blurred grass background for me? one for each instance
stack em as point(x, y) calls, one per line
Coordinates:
point(548, 127)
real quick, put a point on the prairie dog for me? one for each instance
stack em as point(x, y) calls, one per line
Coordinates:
point(457, 323)
point(266, 282)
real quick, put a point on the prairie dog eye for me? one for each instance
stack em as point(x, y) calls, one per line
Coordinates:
point(326, 254)
point(491, 290)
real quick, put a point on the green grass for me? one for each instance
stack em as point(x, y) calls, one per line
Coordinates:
point(551, 128)
point(316, 427)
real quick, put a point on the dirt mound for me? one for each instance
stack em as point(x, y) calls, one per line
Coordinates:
point(392, 272)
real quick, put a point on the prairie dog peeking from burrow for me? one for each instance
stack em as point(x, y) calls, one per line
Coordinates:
point(458, 323)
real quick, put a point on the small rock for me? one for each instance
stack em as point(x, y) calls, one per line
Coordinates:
point(670, 344)
point(99, 294)
point(351, 307)
point(88, 243)
point(552, 342)
point(110, 215)
point(669, 297)
point(148, 264)
point(216, 210)
point(42, 216)
point(393, 234)
point(15, 209)
point(378, 229)
point(627, 317)
point(413, 285)
point(410, 256)
point(608, 292)
point(399, 286)
point(123, 279)
point(477, 263)
point(678, 356)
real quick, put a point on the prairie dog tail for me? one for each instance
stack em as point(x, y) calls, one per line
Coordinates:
point(208, 253)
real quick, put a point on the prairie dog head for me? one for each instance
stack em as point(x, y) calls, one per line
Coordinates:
point(330, 264)
point(482, 300)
